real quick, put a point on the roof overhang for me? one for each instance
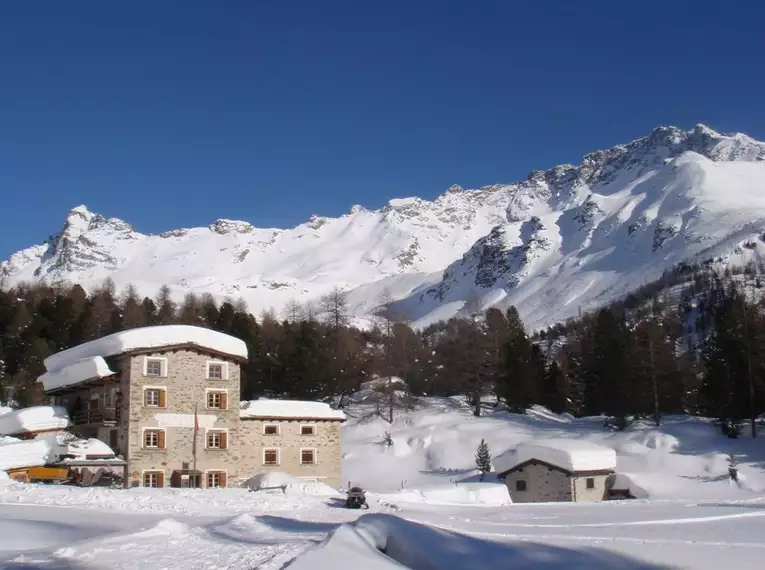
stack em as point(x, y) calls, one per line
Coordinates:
point(555, 468)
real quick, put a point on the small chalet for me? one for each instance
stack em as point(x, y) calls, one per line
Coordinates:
point(554, 470)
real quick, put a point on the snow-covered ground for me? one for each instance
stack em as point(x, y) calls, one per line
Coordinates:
point(442, 519)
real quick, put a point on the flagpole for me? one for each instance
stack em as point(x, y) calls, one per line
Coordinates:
point(194, 447)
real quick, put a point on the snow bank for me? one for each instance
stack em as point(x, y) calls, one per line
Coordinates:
point(292, 409)
point(148, 337)
point(36, 418)
point(288, 484)
point(494, 494)
point(568, 454)
point(76, 372)
point(270, 480)
point(625, 482)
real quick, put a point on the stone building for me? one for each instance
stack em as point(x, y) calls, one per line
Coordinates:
point(167, 400)
point(554, 470)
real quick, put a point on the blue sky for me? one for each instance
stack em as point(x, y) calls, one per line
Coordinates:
point(176, 113)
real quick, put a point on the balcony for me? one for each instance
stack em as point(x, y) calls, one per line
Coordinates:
point(107, 417)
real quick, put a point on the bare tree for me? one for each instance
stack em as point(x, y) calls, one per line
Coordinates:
point(294, 311)
point(335, 307)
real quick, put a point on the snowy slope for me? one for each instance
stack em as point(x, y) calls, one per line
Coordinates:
point(568, 238)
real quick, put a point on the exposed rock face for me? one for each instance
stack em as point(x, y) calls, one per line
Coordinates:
point(563, 238)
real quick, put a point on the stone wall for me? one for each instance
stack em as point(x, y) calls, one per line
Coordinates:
point(583, 494)
point(543, 484)
point(289, 442)
point(186, 385)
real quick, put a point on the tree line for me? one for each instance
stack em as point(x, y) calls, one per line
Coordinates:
point(700, 351)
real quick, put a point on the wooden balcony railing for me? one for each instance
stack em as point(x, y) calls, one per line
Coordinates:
point(106, 416)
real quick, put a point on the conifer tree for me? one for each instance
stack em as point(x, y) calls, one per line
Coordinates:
point(483, 458)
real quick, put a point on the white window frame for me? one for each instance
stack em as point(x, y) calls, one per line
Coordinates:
point(158, 388)
point(278, 429)
point(278, 456)
point(208, 431)
point(215, 391)
point(143, 440)
point(155, 471)
point(163, 366)
point(223, 370)
point(313, 426)
point(208, 471)
point(315, 455)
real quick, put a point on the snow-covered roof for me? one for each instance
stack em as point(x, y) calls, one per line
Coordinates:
point(34, 419)
point(567, 454)
point(289, 409)
point(15, 454)
point(75, 373)
point(147, 338)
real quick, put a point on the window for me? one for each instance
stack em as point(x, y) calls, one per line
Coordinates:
point(153, 367)
point(520, 485)
point(216, 479)
point(590, 482)
point(270, 457)
point(154, 439)
point(153, 479)
point(216, 371)
point(307, 430)
point(270, 429)
point(217, 400)
point(307, 456)
point(217, 440)
point(154, 397)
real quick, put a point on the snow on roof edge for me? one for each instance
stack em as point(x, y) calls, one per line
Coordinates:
point(147, 338)
point(288, 409)
point(76, 373)
point(567, 454)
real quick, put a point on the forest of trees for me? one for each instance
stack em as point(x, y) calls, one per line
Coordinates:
point(699, 351)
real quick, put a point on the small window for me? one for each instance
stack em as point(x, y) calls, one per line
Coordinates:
point(217, 440)
point(307, 430)
point(520, 485)
point(154, 439)
point(307, 457)
point(590, 482)
point(270, 457)
point(153, 368)
point(153, 479)
point(270, 429)
point(217, 400)
point(216, 479)
point(215, 371)
point(154, 398)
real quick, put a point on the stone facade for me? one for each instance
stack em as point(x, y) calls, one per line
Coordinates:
point(542, 484)
point(183, 384)
point(537, 482)
point(289, 442)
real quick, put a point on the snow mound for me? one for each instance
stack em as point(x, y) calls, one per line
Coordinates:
point(494, 494)
point(290, 409)
point(146, 338)
point(61, 447)
point(276, 480)
point(40, 451)
point(571, 455)
point(36, 418)
point(76, 372)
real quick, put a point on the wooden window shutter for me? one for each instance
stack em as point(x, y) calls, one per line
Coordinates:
point(223, 480)
point(161, 439)
point(223, 401)
point(160, 479)
point(162, 398)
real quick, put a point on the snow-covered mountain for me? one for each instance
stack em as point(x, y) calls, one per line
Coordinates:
point(562, 240)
